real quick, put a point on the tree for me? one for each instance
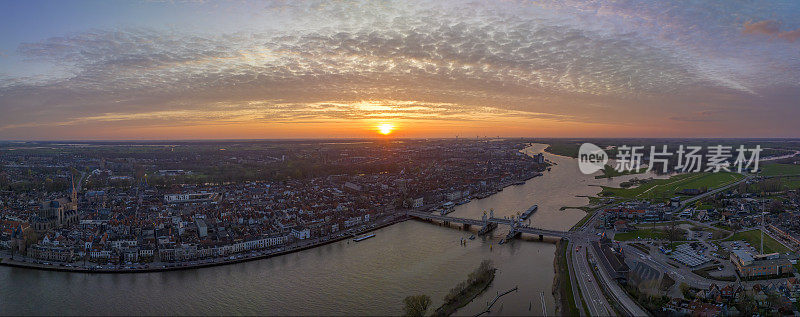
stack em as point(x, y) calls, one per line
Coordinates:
point(686, 291)
point(743, 188)
point(30, 236)
point(416, 305)
point(775, 206)
point(672, 234)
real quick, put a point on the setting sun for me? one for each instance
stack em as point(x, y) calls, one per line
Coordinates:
point(385, 128)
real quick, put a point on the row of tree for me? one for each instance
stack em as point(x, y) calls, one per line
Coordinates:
point(417, 305)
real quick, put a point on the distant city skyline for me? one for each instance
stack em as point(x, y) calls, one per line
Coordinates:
point(114, 70)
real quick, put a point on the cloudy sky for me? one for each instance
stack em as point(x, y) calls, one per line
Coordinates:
point(292, 69)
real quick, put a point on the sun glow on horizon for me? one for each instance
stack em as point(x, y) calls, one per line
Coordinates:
point(385, 128)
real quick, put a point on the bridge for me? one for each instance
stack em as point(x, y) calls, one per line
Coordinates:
point(515, 224)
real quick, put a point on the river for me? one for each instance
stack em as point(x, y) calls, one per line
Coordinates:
point(344, 278)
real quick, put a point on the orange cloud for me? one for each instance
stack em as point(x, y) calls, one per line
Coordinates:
point(771, 28)
point(790, 36)
point(768, 27)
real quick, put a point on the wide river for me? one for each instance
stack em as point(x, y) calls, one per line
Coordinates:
point(345, 278)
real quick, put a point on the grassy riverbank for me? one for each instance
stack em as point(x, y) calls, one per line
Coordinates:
point(565, 298)
point(665, 188)
point(467, 290)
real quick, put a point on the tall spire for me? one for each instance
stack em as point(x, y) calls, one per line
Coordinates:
point(74, 195)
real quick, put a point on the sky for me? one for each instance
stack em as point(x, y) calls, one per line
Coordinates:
point(124, 70)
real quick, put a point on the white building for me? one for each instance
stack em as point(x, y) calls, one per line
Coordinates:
point(301, 234)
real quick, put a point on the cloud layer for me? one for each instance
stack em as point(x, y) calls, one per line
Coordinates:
point(628, 64)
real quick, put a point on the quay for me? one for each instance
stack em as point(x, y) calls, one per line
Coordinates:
point(177, 266)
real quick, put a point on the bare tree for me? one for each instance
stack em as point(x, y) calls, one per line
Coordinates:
point(416, 305)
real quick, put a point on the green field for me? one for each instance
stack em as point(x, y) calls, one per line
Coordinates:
point(661, 224)
point(791, 182)
point(780, 169)
point(564, 149)
point(666, 188)
point(753, 237)
point(609, 172)
point(704, 206)
point(641, 234)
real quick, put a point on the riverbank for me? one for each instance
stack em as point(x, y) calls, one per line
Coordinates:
point(188, 266)
point(562, 283)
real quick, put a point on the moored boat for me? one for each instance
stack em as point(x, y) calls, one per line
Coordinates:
point(364, 237)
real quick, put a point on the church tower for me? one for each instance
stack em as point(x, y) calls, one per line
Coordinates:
point(74, 195)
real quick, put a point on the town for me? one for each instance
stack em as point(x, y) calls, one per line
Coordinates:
point(145, 207)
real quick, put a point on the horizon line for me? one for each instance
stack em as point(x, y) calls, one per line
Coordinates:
point(393, 138)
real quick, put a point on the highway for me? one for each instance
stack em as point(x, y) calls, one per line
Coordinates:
point(592, 294)
point(590, 287)
point(628, 304)
point(591, 291)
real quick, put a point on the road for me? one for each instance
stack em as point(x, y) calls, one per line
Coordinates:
point(592, 294)
point(713, 192)
point(591, 291)
point(628, 304)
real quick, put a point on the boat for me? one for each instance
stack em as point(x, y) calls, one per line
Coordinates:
point(472, 237)
point(447, 208)
point(502, 241)
point(364, 237)
point(527, 214)
point(519, 182)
